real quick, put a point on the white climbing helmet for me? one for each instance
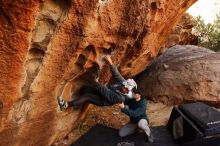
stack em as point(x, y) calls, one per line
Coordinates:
point(130, 84)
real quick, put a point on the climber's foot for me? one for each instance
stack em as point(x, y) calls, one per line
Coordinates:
point(63, 104)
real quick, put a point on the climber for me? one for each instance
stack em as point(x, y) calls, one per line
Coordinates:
point(136, 110)
point(102, 95)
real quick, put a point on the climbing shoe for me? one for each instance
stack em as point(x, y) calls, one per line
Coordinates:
point(150, 138)
point(63, 104)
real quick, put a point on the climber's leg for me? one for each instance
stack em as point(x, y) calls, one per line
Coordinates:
point(128, 129)
point(110, 95)
point(88, 89)
point(143, 124)
point(87, 98)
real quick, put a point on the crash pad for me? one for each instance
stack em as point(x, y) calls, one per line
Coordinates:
point(101, 135)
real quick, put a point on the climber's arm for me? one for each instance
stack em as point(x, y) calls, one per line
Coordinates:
point(115, 73)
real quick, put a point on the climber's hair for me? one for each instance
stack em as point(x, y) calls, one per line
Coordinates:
point(139, 91)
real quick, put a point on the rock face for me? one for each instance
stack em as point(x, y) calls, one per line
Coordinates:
point(183, 74)
point(43, 44)
point(182, 34)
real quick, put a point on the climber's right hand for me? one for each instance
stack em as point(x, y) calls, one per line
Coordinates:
point(108, 59)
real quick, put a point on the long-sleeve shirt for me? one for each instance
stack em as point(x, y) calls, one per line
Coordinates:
point(136, 110)
point(118, 78)
point(112, 93)
point(116, 74)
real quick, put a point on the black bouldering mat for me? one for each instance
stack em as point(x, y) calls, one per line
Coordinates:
point(181, 128)
point(101, 135)
point(214, 141)
point(206, 118)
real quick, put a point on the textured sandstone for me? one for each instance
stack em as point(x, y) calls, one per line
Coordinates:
point(183, 74)
point(182, 34)
point(45, 43)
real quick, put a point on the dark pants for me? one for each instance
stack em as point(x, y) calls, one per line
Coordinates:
point(100, 96)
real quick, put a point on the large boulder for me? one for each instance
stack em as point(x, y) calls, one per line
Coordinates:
point(183, 74)
point(45, 43)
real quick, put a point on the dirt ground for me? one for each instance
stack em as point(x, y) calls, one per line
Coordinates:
point(111, 116)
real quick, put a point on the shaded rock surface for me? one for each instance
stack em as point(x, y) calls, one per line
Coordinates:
point(44, 44)
point(183, 74)
point(182, 34)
